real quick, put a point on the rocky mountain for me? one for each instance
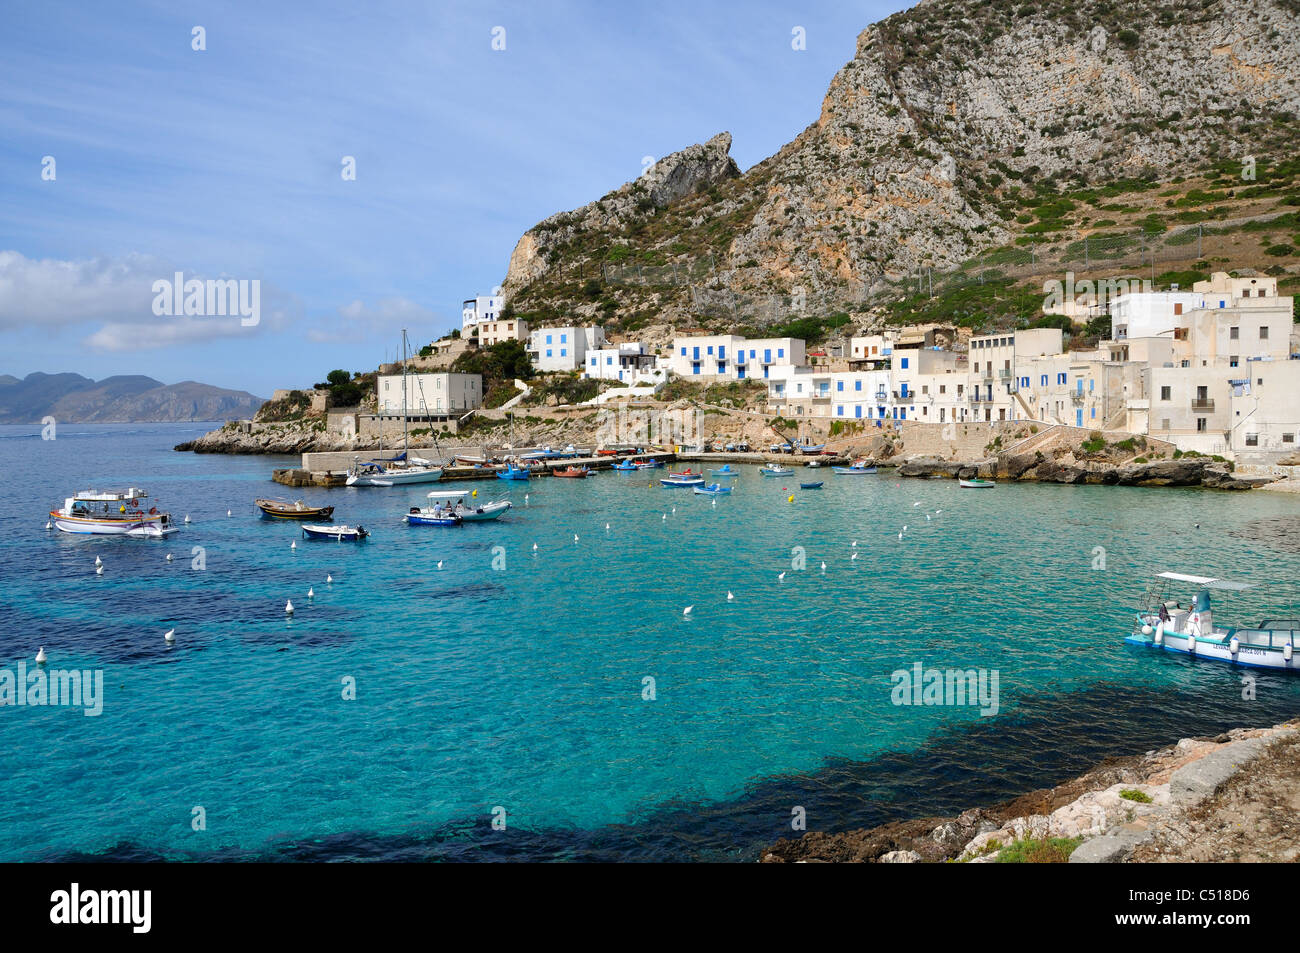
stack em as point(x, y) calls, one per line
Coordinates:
point(72, 398)
point(953, 126)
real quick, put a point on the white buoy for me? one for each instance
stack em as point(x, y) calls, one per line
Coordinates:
point(169, 557)
point(288, 607)
point(900, 535)
point(311, 593)
point(328, 579)
point(730, 596)
point(99, 570)
point(1146, 628)
point(227, 512)
point(169, 636)
point(534, 547)
point(855, 544)
point(917, 503)
point(665, 516)
point(575, 537)
point(904, 527)
point(853, 557)
point(823, 565)
point(937, 512)
point(674, 511)
point(294, 544)
point(607, 527)
point(98, 561)
point(687, 610)
point(49, 525)
point(187, 517)
point(439, 563)
point(927, 517)
point(41, 656)
point(780, 576)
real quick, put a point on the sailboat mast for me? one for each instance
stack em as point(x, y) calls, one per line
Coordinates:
point(406, 437)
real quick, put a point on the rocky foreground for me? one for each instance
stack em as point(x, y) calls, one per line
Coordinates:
point(1224, 799)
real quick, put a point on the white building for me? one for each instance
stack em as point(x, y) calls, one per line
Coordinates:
point(429, 394)
point(481, 308)
point(619, 362)
point(563, 349)
point(734, 358)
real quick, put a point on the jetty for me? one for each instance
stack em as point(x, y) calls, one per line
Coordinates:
point(330, 468)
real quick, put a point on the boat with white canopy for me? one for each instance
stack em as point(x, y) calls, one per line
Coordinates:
point(1166, 623)
point(457, 504)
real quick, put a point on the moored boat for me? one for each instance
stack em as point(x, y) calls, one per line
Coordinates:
point(1165, 624)
point(858, 468)
point(725, 471)
point(976, 484)
point(513, 472)
point(775, 469)
point(682, 480)
point(625, 466)
point(111, 513)
point(340, 533)
point(399, 471)
point(459, 504)
point(713, 489)
point(297, 510)
point(811, 486)
point(571, 473)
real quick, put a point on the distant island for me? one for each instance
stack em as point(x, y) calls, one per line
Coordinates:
point(133, 398)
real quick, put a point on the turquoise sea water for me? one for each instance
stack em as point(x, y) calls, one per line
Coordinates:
point(521, 686)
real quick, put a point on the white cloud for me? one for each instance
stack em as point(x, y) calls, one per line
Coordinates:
point(117, 294)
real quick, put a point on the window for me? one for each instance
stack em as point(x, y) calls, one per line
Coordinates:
point(696, 354)
point(1232, 361)
point(1043, 381)
point(564, 352)
point(1263, 333)
point(904, 364)
point(780, 352)
point(1288, 438)
point(564, 339)
point(840, 410)
point(1060, 378)
point(710, 348)
point(839, 385)
point(857, 385)
point(683, 350)
point(1233, 333)
point(1245, 292)
point(1201, 426)
point(548, 341)
point(1164, 423)
point(977, 367)
point(1252, 440)
point(1166, 393)
point(548, 352)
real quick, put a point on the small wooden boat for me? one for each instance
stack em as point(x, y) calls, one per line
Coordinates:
point(775, 469)
point(811, 486)
point(682, 480)
point(572, 473)
point(351, 534)
point(713, 489)
point(855, 470)
point(811, 450)
point(297, 510)
point(976, 484)
point(725, 471)
point(647, 464)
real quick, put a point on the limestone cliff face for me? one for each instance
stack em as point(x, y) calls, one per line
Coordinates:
point(669, 180)
point(943, 108)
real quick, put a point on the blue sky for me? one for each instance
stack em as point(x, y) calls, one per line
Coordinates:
point(227, 162)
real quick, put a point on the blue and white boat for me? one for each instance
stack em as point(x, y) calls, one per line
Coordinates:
point(713, 489)
point(775, 469)
point(725, 471)
point(680, 480)
point(625, 466)
point(1166, 624)
point(512, 472)
point(857, 469)
point(811, 486)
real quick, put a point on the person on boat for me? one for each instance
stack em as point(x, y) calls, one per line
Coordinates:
point(1164, 612)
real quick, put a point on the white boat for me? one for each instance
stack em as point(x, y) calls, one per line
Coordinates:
point(396, 472)
point(775, 469)
point(1166, 624)
point(112, 513)
point(977, 484)
point(460, 503)
point(402, 469)
point(340, 533)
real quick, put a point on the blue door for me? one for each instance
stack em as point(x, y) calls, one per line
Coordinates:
point(1078, 418)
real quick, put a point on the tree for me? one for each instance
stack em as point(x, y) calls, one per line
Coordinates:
point(338, 377)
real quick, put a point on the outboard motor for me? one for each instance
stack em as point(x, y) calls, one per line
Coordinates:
point(1201, 623)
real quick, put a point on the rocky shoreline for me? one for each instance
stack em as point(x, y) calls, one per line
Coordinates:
point(1187, 471)
point(1187, 802)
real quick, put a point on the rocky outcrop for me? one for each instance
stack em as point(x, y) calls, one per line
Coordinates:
point(1134, 808)
point(668, 180)
point(1186, 471)
point(307, 436)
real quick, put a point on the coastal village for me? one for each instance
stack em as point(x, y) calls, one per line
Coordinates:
point(1203, 375)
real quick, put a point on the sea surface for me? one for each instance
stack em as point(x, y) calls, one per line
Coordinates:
point(540, 671)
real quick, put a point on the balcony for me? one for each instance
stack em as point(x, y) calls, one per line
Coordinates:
point(1076, 397)
point(1004, 374)
point(1202, 405)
